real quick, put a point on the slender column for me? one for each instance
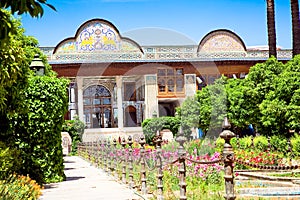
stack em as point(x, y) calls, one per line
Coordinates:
point(143, 166)
point(120, 102)
point(151, 100)
point(160, 175)
point(228, 157)
point(80, 98)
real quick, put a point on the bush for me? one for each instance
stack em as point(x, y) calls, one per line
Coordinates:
point(17, 187)
point(279, 143)
point(261, 143)
point(295, 141)
point(75, 128)
point(38, 132)
point(245, 143)
point(9, 161)
point(151, 126)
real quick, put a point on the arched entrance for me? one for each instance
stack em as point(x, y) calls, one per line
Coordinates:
point(97, 107)
point(130, 116)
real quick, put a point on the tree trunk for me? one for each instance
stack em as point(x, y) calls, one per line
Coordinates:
point(295, 26)
point(271, 28)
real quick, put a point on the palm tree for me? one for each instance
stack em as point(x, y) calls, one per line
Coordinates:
point(295, 26)
point(271, 28)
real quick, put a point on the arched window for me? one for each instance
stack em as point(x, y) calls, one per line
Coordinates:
point(130, 116)
point(97, 107)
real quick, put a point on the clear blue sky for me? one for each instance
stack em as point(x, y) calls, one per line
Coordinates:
point(192, 18)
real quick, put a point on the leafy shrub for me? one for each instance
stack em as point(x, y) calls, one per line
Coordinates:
point(260, 143)
point(245, 142)
point(19, 187)
point(279, 143)
point(75, 128)
point(219, 144)
point(38, 132)
point(295, 141)
point(9, 161)
point(151, 126)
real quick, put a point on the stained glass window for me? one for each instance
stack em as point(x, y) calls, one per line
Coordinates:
point(97, 107)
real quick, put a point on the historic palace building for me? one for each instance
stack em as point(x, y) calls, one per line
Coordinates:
point(117, 83)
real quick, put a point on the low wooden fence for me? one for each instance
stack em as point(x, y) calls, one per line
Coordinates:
point(117, 158)
point(108, 157)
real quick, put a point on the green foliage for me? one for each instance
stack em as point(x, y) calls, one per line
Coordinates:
point(188, 114)
point(38, 132)
point(261, 143)
point(295, 141)
point(280, 109)
point(9, 161)
point(213, 107)
point(238, 107)
point(75, 128)
point(151, 126)
point(18, 187)
point(14, 69)
point(15, 58)
point(245, 143)
point(171, 146)
point(200, 147)
point(33, 7)
point(278, 143)
point(194, 146)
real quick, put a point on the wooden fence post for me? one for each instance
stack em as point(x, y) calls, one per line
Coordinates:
point(228, 157)
point(143, 166)
point(160, 175)
point(181, 139)
point(123, 143)
point(130, 160)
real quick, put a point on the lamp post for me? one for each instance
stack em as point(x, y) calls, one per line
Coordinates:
point(37, 65)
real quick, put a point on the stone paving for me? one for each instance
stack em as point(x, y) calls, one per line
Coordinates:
point(86, 182)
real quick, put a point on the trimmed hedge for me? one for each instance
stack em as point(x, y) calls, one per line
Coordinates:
point(38, 132)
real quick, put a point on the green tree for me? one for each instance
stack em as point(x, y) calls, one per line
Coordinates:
point(33, 7)
point(257, 85)
point(15, 58)
point(281, 107)
point(213, 107)
point(239, 107)
point(188, 114)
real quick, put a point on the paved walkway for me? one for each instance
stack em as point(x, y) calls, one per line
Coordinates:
point(85, 181)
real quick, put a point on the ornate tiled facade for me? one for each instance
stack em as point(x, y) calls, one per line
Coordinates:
point(99, 41)
point(99, 57)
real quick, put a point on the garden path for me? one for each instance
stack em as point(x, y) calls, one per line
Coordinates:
point(87, 182)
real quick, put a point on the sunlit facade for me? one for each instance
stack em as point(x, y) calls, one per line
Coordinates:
point(116, 83)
